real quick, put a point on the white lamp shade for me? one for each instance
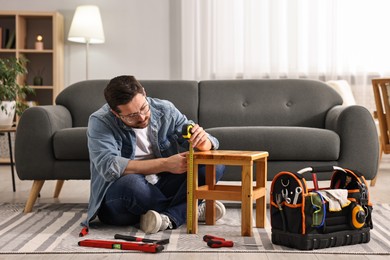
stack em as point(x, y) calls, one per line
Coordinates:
point(86, 25)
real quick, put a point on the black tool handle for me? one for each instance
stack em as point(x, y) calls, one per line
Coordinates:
point(220, 243)
point(284, 224)
point(320, 169)
point(207, 238)
point(144, 240)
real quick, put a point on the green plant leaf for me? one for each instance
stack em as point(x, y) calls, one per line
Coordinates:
point(10, 89)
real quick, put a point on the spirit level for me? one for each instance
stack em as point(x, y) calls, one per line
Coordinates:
point(150, 248)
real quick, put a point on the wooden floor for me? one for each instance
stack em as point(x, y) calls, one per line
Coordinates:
point(78, 192)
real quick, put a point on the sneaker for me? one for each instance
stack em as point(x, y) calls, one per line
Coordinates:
point(166, 223)
point(153, 222)
point(219, 210)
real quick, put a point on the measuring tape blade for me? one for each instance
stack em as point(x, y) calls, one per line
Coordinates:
point(190, 189)
point(186, 132)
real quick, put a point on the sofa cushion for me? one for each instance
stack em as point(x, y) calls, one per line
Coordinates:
point(276, 102)
point(71, 144)
point(82, 99)
point(282, 143)
point(77, 98)
point(184, 94)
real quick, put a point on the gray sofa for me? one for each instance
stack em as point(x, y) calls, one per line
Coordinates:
point(299, 122)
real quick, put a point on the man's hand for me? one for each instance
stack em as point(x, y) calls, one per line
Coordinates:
point(176, 164)
point(199, 138)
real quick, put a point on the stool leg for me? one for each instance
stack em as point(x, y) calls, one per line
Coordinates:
point(194, 208)
point(261, 179)
point(210, 204)
point(246, 200)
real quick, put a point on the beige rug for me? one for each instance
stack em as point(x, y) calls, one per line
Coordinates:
point(54, 228)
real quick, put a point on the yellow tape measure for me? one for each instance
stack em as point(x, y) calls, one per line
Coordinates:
point(186, 132)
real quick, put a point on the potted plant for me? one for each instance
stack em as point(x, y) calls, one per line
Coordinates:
point(12, 94)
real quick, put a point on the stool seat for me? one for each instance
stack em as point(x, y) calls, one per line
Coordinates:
point(246, 193)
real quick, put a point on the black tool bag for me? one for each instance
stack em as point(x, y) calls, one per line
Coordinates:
point(306, 219)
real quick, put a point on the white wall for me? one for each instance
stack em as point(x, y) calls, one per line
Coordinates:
point(137, 36)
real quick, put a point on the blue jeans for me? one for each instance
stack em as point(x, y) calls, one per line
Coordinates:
point(131, 196)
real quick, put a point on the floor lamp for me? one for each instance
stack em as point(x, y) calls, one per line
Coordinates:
point(86, 28)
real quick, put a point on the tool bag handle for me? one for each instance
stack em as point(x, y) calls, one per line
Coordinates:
point(314, 170)
point(320, 169)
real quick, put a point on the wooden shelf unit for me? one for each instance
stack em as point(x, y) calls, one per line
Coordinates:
point(47, 63)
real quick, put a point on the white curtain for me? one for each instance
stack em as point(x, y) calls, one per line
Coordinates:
point(317, 39)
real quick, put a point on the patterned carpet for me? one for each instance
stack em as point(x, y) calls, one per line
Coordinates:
point(54, 228)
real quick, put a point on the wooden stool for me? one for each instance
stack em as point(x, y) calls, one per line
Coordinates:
point(246, 193)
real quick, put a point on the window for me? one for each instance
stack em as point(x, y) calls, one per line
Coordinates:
point(320, 39)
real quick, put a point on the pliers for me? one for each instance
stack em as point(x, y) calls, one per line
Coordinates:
point(217, 242)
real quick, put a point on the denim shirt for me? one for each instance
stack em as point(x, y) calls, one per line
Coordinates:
point(112, 144)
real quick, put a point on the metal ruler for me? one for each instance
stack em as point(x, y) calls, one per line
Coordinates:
point(186, 132)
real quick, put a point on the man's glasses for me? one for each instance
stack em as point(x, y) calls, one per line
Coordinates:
point(131, 118)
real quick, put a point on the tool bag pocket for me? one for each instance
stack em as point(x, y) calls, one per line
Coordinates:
point(300, 216)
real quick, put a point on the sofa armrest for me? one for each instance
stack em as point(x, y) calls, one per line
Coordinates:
point(359, 138)
point(34, 154)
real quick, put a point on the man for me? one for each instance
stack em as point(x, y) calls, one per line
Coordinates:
point(138, 172)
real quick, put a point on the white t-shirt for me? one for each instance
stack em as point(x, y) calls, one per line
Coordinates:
point(144, 150)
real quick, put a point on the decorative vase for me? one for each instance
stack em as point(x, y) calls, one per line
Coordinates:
point(7, 113)
point(38, 81)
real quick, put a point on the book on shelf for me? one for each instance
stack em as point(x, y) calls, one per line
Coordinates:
point(11, 40)
point(5, 36)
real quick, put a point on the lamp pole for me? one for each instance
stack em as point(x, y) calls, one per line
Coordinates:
point(86, 57)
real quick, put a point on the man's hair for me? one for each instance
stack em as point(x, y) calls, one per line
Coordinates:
point(121, 90)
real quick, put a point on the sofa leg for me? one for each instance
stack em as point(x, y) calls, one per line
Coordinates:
point(373, 181)
point(58, 188)
point(35, 189)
